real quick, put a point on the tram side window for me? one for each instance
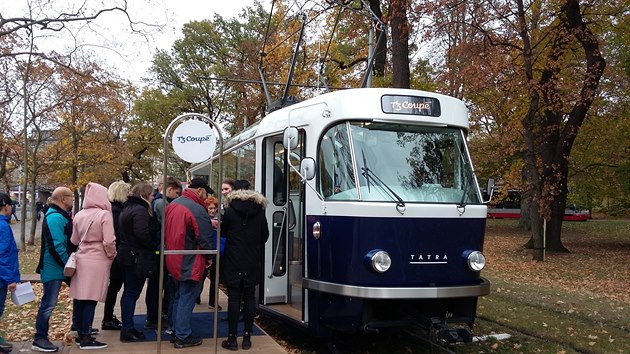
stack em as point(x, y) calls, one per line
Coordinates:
point(239, 164)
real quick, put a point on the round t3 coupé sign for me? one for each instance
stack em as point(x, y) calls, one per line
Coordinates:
point(194, 141)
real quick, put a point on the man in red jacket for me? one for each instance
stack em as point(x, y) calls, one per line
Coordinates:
point(188, 227)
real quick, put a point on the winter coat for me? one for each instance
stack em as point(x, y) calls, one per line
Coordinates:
point(56, 245)
point(9, 269)
point(117, 207)
point(93, 232)
point(246, 230)
point(188, 227)
point(137, 231)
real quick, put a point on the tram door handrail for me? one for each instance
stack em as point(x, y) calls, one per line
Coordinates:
point(164, 252)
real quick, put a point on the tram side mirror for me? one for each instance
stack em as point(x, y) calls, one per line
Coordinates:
point(489, 190)
point(307, 168)
point(290, 138)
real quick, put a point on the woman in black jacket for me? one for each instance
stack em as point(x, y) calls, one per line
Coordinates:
point(245, 227)
point(137, 238)
point(117, 194)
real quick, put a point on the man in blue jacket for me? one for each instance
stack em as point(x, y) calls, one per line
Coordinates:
point(56, 233)
point(9, 268)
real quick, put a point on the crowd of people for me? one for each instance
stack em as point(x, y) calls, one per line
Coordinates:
point(116, 241)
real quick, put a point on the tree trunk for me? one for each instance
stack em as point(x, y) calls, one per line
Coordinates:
point(554, 226)
point(31, 234)
point(527, 194)
point(400, 44)
point(557, 139)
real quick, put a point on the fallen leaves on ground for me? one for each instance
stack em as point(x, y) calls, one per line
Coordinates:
point(18, 322)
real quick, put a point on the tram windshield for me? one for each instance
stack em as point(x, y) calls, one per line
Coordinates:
point(374, 161)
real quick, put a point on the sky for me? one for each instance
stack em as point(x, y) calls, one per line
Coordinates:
point(111, 41)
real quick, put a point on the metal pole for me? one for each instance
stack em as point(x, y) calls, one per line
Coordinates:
point(370, 54)
point(163, 252)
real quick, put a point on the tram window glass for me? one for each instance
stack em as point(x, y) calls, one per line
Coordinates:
point(279, 244)
point(240, 163)
point(279, 186)
point(295, 193)
point(335, 164)
point(418, 163)
point(295, 158)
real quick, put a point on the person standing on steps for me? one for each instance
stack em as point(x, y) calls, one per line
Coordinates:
point(246, 230)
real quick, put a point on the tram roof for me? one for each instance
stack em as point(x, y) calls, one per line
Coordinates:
point(361, 104)
point(349, 104)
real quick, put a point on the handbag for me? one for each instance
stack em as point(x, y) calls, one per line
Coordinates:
point(71, 264)
point(145, 264)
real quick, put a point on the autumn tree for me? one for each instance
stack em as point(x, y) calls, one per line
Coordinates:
point(89, 128)
point(555, 63)
point(20, 33)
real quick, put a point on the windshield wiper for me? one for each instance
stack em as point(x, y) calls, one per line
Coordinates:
point(370, 175)
point(461, 202)
point(365, 167)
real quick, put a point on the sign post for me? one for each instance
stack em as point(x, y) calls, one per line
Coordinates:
point(194, 141)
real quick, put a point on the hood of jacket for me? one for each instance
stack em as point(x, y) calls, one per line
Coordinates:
point(96, 197)
point(192, 196)
point(246, 202)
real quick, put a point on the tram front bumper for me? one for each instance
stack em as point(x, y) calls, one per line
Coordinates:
point(367, 292)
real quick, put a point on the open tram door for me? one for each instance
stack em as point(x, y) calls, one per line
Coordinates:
point(284, 252)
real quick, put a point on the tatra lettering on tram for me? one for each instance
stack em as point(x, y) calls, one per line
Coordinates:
point(375, 214)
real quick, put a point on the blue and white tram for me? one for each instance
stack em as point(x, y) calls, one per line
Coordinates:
point(376, 217)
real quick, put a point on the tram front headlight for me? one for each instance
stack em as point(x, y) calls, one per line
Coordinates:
point(379, 260)
point(476, 261)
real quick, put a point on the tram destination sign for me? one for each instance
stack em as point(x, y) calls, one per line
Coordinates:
point(415, 105)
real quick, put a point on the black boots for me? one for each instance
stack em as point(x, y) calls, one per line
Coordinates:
point(247, 341)
point(131, 335)
point(88, 342)
point(230, 343)
point(112, 325)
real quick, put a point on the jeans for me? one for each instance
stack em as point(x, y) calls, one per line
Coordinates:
point(152, 299)
point(235, 294)
point(212, 272)
point(3, 297)
point(131, 293)
point(170, 290)
point(46, 307)
point(85, 315)
point(183, 305)
point(116, 279)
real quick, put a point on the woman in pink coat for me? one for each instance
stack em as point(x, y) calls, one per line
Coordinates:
point(93, 232)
